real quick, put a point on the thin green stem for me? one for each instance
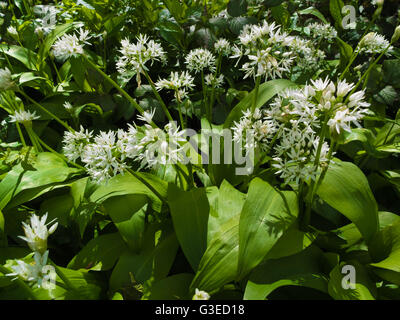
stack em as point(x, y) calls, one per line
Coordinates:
point(148, 185)
point(58, 154)
point(21, 136)
point(254, 104)
point(116, 86)
point(203, 85)
point(65, 125)
point(153, 87)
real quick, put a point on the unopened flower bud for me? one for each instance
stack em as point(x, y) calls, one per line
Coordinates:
point(396, 34)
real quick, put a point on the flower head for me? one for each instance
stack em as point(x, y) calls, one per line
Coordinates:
point(24, 117)
point(134, 56)
point(6, 82)
point(215, 82)
point(36, 233)
point(223, 47)
point(74, 143)
point(374, 43)
point(71, 45)
point(200, 59)
point(321, 31)
point(201, 295)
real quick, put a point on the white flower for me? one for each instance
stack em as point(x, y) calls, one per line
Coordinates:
point(68, 106)
point(223, 47)
point(201, 295)
point(71, 45)
point(22, 116)
point(344, 117)
point(6, 82)
point(212, 81)
point(199, 59)
point(322, 31)
point(177, 82)
point(34, 272)
point(74, 143)
point(102, 158)
point(12, 31)
point(147, 116)
point(135, 56)
point(374, 43)
point(36, 233)
point(268, 51)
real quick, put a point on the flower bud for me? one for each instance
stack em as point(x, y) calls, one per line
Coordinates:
point(396, 34)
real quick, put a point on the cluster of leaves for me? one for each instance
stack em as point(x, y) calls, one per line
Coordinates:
point(152, 235)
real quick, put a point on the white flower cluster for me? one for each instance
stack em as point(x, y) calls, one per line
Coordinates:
point(200, 59)
point(267, 49)
point(374, 43)
point(106, 155)
point(223, 47)
point(134, 56)
point(6, 82)
point(213, 81)
point(321, 32)
point(36, 234)
point(201, 295)
point(309, 58)
point(294, 122)
point(24, 117)
point(179, 82)
point(71, 45)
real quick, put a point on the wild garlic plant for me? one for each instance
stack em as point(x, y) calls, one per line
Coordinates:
point(35, 272)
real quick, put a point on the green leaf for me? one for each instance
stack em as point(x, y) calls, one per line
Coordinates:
point(301, 269)
point(314, 12)
point(237, 8)
point(266, 92)
point(346, 189)
point(346, 51)
point(335, 7)
point(23, 55)
point(218, 266)
point(189, 211)
point(225, 203)
point(175, 287)
point(365, 289)
point(127, 184)
point(152, 263)
point(103, 251)
point(25, 182)
point(266, 215)
point(128, 214)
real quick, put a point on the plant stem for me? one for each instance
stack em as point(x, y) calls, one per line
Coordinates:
point(253, 106)
point(21, 136)
point(208, 115)
point(116, 86)
point(153, 87)
point(58, 154)
point(65, 125)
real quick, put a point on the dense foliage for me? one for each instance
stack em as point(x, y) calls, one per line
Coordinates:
point(108, 184)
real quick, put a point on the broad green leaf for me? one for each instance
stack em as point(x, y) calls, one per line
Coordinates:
point(265, 216)
point(266, 91)
point(25, 182)
point(127, 184)
point(25, 56)
point(103, 251)
point(365, 289)
point(335, 7)
point(314, 12)
point(175, 287)
point(301, 269)
point(225, 203)
point(218, 266)
point(346, 189)
point(128, 214)
point(189, 212)
point(237, 8)
point(152, 263)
